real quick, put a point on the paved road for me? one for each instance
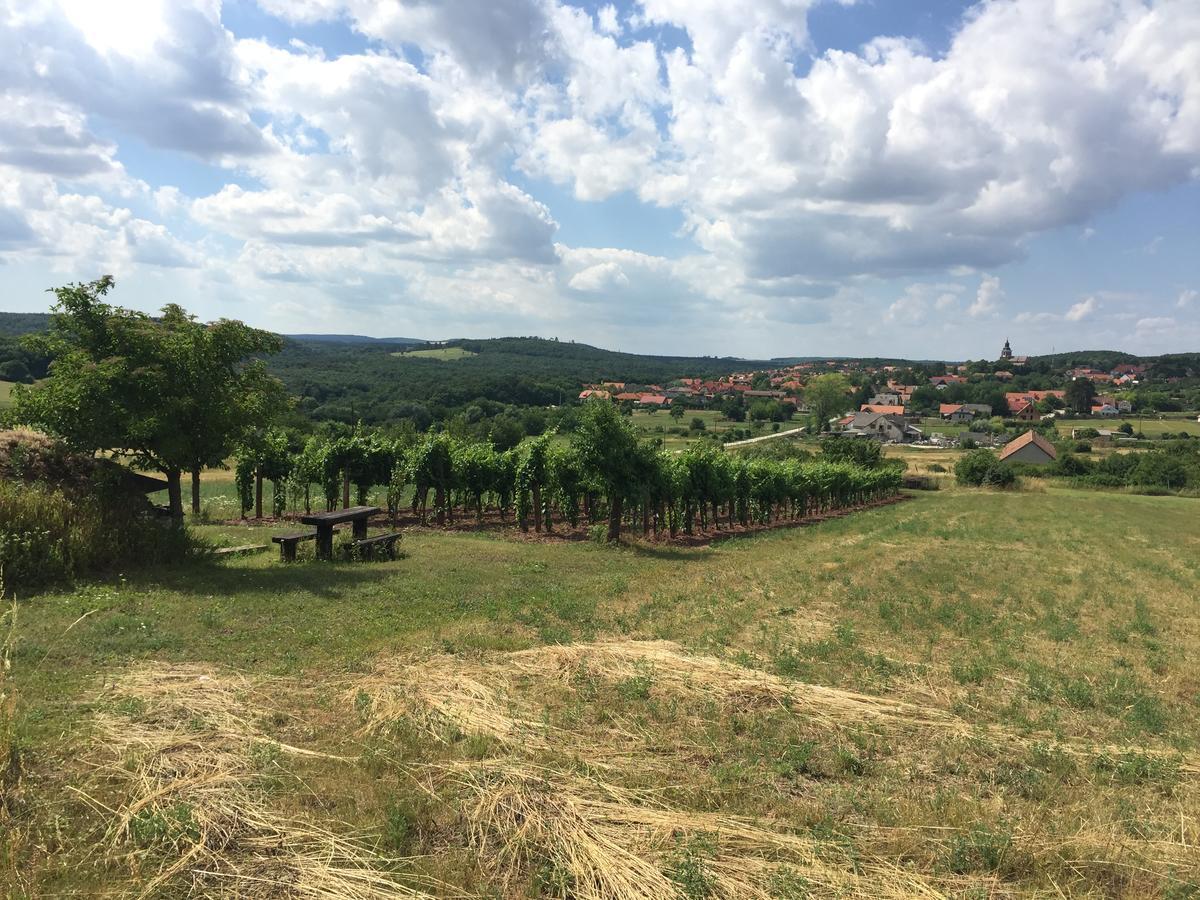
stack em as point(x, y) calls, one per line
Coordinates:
point(767, 437)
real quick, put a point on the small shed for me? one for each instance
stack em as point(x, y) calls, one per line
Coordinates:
point(1030, 447)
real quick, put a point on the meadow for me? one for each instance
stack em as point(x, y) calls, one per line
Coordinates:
point(1151, 426)
point(443, 353)
point(970, 693)
point(5, 393)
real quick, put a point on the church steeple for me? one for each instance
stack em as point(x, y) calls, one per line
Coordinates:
point(1006, 353)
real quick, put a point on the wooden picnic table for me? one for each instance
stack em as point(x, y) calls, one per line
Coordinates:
point(358, 516)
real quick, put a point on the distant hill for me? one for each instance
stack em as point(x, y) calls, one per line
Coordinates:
point(352, 339)
point(374, 385)
point(15, 324)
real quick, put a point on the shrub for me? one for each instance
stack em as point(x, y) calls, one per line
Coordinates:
point(983, 468)
point(48, 536)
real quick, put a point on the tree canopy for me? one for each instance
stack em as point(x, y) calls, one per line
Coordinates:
point(174, 393)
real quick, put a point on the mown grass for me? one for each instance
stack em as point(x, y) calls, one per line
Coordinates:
point(445, 354)
point(1060, 627)
point(1151, 426)
point(6, 388)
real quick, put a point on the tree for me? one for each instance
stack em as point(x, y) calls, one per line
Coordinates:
point(677, 408)
point(827, 396)
point(1079, 396)
point(608, 454)
point(173, 393)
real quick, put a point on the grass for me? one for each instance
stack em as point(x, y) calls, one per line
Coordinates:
point(6, 388)
point(443, 353)
point(974, 693)
point(658, 424)
point(1149, 426)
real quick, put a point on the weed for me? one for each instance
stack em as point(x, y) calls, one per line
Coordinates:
point(981, 849)
point(687, 867)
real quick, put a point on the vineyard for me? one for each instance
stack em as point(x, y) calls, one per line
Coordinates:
point(604, 473)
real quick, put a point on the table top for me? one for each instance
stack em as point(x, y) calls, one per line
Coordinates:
point(341, 515)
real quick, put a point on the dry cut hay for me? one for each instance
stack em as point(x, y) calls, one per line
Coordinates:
point(195, 808)
point(606, 843)
point(480, 697)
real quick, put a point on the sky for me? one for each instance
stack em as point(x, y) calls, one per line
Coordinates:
point(776, 178)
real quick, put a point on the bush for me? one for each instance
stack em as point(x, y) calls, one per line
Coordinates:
point(982, 468)
point(1083, 447)
point(48, 536)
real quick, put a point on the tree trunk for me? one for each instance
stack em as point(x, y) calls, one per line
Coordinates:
point(174, 492)
point(346, 489)
point(537, 507)
point(614, 518)
point(439, 502)
point(258, 493)
point(195, 490)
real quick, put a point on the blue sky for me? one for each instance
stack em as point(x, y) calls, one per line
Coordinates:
point(687, 176)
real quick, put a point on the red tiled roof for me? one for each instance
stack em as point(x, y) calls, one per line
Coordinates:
point(947, 409)
point(653, 400)
point(882, 410)
point(1029, 437)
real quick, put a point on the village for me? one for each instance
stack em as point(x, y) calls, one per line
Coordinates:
point(1014, 402)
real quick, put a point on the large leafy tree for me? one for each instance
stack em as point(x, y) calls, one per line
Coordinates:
point(1079, 396)
point(174, 393)
point(827, 396)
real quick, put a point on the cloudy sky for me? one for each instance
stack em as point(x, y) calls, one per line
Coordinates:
point(698, 176)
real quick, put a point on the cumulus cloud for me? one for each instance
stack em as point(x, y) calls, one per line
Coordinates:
point(1082, 310)
point(604, 276)
point(413, 166)
point(1187, 298)
point(987, 298)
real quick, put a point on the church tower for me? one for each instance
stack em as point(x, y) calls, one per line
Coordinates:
point(1006, 353)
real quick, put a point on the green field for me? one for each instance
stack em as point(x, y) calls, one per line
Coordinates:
point(442, 353)
point(6, 393)
point(1151, 426)
point(952, 695)
point(658, 424)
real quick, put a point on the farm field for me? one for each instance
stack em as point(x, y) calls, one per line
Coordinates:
point(1151, 427)
point(442, 353)
point(658, 423)
point(777, 716)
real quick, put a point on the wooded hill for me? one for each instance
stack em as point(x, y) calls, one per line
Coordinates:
point(371, 382)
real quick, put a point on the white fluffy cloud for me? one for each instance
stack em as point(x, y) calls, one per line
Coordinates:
point(1082, 310)
point(987, 298)
point(803, 178)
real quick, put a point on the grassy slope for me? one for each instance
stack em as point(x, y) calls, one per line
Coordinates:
point(5, 393)
point(1072, 613)
point(443, 353)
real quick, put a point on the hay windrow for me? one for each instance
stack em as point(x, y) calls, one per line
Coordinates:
point(193, 770)
point(606, 843)
point(492, 696)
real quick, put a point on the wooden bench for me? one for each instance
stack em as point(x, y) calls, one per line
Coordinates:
point(287, 543)
point(366, 547)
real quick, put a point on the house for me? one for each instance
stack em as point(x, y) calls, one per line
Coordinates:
point(1105, 409)
point(886, 398)
point(882, 409)
point(1025, 410)
point(653, 401)
point(1004, 376)
point(940, 381)
point(1017, 399)
point(964, 412)
point(955, 412)
point(1030, 447)
point(593, 394)
point(883, 427)
point(627, 397)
